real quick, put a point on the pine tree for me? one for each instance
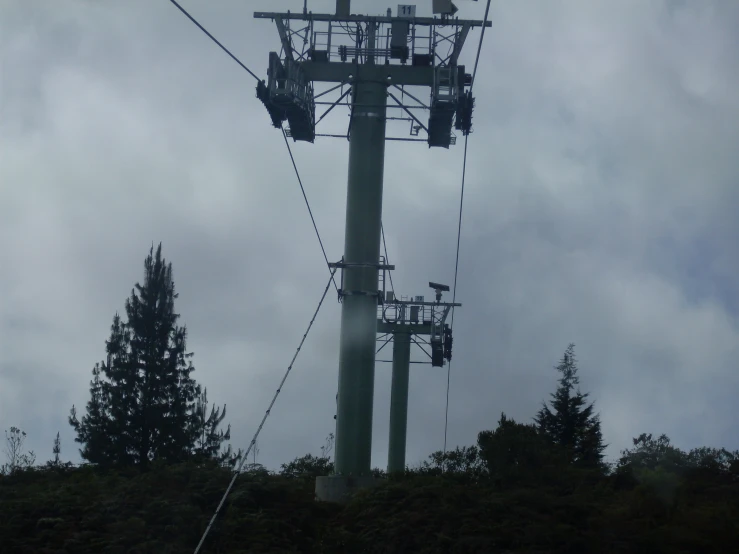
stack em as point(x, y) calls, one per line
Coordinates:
point(56, 450)
point(571, 422)
point(94, 431)
point(210, 438)
point(142, 403)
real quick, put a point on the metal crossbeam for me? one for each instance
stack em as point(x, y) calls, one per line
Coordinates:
point(333, 18)
point(346, 93)
point(391, 95)
point(339, 72)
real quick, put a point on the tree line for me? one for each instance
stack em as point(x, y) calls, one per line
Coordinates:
point(145, 407)
point(566, 431)
point(564, 439)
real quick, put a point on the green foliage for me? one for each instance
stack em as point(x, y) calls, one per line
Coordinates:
point(310, 466)
point(655, 462)
point(649, 453)
point(661, 481)
point(378, 473)
point(716, 459)
point(56, 450)
point(307, 466)
point(464, 461)
point(428, 513)
point(144, 404)
point(571, 423)
point(166, 509)
point(210, 438)
point(55, 464)
point(523, 488)
point(516, 451)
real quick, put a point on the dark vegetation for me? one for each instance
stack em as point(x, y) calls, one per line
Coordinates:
point(156, 468)
point(144, 404)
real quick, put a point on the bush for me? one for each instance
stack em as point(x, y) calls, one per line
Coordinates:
point(307, 466)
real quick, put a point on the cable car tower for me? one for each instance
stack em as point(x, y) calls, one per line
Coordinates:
point(371, 61)
point(405, 322)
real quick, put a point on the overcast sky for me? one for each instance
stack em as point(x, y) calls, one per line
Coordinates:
point(600, 209)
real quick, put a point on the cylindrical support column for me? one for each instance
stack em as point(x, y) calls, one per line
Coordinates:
point(359, 305)
point(399, 401)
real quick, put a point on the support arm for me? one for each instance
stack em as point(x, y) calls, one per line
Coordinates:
point(459, 43)
point(286, 42)
point(391, 95)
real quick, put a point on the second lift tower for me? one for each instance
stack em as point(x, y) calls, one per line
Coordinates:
point(372, 60)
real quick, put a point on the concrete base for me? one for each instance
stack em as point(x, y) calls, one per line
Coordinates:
point(339, 488)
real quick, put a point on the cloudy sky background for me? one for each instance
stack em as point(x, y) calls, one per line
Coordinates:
point(600, 209)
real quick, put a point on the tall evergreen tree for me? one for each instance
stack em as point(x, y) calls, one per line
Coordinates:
point(142, 403)
point(571, 423)
point(56, 450)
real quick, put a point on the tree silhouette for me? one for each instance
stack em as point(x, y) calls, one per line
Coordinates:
point(571, 423)
point(143, 400)
point(57, 449)
point(209, 437)
point(17, 458)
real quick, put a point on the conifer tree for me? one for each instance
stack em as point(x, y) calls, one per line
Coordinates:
point(56, 450)
point(142, 403)
point(210, 438)
point(571, 423)
point(94, 431)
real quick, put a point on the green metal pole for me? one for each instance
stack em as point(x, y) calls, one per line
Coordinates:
point(359, 306)
point(399, 401)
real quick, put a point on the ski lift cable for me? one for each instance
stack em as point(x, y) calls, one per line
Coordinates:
point(266, 415)
point(214, 39)
point(459, 228)
point(289, 150)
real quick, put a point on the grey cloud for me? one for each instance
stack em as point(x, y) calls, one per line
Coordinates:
point(599, 208)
